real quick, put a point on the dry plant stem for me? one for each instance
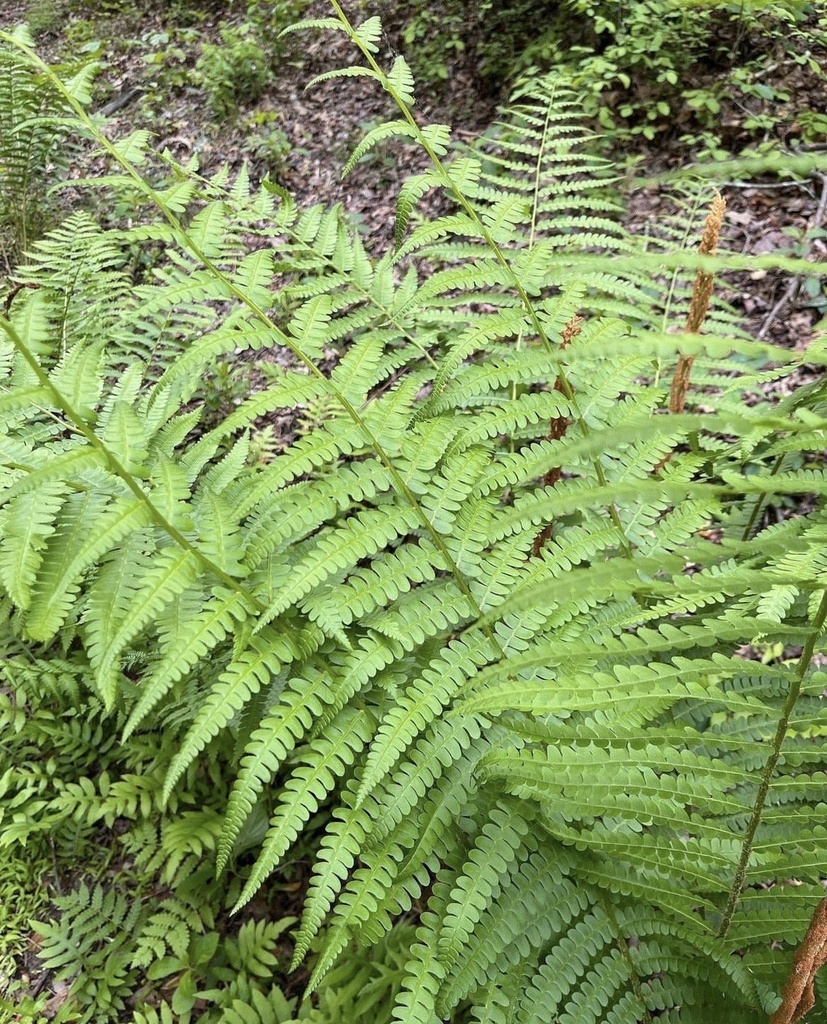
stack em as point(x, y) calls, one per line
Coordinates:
point(15, 290)
point(789, 295)
point(793, 287)
point(701, 294)
point(769, 767)
point(810, 957)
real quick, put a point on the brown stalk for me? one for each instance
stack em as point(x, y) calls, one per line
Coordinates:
point(799, 990)
point(701, 294)
point(16, 289)
point(557, 429)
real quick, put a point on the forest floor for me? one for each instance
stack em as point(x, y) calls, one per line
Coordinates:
point(147, 61)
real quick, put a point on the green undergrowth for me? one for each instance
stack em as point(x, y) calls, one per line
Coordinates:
point(714, 78)
point(36, 149)
point(480, 618)
point(183, 53)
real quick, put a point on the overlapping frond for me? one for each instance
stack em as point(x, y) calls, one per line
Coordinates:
point(524, 630)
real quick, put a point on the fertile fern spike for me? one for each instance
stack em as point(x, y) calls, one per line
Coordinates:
point(552, 753)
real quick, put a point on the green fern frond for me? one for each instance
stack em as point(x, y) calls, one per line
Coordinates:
point(422, 702)
point(307, 786)
point(479, 883)
point(184, 647)
point(28, 522)
point(259, 662)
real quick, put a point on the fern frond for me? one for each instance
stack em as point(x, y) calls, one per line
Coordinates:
point(479, 883)
point(359, 537)
point(184, 647)
point(28, 522)
point(422, 702)
point(305, 789)
point(171, 573)
point(474, 511)
point(259, 662)
point(541, 901)
point(88, 527)
point(339, 848)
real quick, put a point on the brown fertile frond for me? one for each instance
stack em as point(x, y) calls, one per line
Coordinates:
point(810, 957)
point(701, 294)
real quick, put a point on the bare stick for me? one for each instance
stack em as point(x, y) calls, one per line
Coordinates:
point(795, 283)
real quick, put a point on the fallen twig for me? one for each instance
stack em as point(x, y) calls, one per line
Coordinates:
point(792, 288)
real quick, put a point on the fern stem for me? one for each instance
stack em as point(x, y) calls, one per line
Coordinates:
point(119, 470)
point(499, 255)
point(623, 948)
point(769, 767)
point(535, 202)
point(759, 500)
point(538, 166)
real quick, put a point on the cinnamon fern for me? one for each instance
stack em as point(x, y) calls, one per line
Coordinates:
point(590, 768)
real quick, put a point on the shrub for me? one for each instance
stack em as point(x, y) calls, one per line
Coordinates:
point(642, 67)
point(234, 71)
point(237, 70)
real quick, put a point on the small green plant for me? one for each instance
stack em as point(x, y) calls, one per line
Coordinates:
point(267, 143)
point(23, 897)
point(83, 36)
point(364, 986)
point(271, 17)
point(105, 8)
point(169, 58)
point(90, 943)
point(813, 127)
point(70, 796)
point(112, 947)
point(224, 389)
point(704, 147)
point(641, 68)
point(639, 55)
point(234, 71)
point(44, 17)
point(434, 35)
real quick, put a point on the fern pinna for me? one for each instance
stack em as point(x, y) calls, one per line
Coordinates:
point(567, 757)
